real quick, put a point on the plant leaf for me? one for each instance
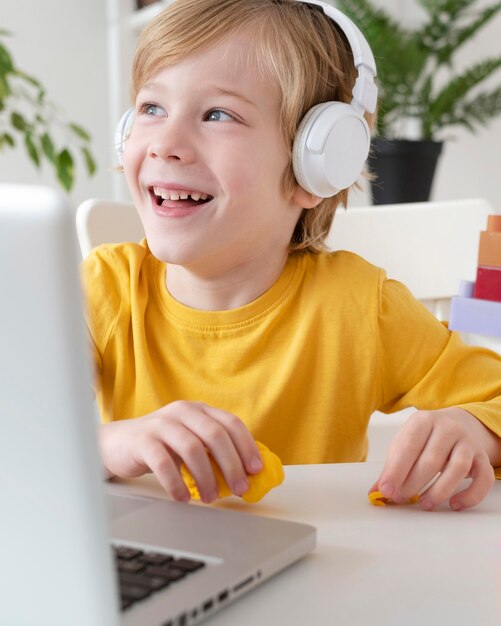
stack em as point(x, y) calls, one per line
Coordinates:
point(80, 132)
point(6, 63)
point(29, 79)
point(48, 148)
point(449, 99)
point(480, 110)
point(4, 88)
point(443, 15)
point(25, 109)
point(18, 121)
point(7, 138)
point(89, 161)
point(457, 36)
point(65, 169)
point(31, 149)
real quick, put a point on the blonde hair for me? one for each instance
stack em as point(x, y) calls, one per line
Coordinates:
point(296, 45)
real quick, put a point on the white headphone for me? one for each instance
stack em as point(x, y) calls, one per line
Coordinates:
point(333, 140)
point(122, 133)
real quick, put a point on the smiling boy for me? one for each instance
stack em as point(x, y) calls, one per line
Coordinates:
point(227, 249)
point(231, 323)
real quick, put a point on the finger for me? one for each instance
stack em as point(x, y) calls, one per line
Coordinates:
point(482, 474)
point(241, 437)
point(455, 469)
point(404, 451)
point(190, 448)
point(156, 456)
point(220, 444)
point(446, 452)
point(425, 473)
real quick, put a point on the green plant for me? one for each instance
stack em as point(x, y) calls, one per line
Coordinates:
point(416, 68)
point(27, 115)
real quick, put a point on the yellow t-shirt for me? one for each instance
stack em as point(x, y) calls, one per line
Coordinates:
point(304, 365)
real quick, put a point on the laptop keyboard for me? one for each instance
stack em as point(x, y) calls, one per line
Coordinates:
point(140, 573)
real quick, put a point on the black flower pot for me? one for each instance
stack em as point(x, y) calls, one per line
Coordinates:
point(403, 169)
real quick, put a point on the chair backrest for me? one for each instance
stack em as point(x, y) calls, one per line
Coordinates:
point(104, 221)
point(429, 246)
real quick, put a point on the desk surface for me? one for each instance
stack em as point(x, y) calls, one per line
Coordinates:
point(390, 566)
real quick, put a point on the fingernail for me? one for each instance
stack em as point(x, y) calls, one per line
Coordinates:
point(399, 499)
point(426, 504)
point(387, 490)
point(456, 505)
point(241, 487)
point(211, 497)
point(256, 465)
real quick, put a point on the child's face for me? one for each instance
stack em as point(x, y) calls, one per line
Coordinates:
point(209, 127)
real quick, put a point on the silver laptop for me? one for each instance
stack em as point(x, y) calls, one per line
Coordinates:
point(73, 553)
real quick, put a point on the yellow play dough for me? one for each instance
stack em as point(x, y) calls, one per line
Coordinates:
point(270, 476)
point(377, 499)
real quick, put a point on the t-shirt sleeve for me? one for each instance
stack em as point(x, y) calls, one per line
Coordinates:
point(102, 293)
point(425, 365)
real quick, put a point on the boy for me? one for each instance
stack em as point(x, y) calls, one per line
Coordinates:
point(231, 323)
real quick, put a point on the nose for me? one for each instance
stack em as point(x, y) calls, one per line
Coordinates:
point(172, 141)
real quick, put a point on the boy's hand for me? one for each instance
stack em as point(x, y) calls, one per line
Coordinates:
point(450, 441)
point(182, 432)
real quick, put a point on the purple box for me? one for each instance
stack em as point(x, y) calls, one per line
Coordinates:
point(471, 315)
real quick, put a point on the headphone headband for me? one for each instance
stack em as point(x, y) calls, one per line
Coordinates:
point(364, 91)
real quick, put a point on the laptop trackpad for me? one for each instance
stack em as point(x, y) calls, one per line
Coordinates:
point(118, 506)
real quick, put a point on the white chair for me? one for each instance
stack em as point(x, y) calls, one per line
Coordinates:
point(104, 221)
point(428, 246)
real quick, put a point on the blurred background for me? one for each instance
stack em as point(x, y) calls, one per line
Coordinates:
point(81, 50)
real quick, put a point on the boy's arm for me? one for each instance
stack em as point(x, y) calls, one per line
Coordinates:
point(426, 366)
point(450, 443)
point(182, 432)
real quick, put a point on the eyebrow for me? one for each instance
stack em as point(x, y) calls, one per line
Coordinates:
point(151, 85)
point(235, 94)
point(154, 86)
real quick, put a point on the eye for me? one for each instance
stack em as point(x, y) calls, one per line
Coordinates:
point(152, 109)
point(216, 115)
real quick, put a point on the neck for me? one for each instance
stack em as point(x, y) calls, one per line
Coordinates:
point(224, 290)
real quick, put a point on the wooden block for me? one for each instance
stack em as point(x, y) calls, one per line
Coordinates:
point(494, 223)
point(489, 248)
point(488, 284)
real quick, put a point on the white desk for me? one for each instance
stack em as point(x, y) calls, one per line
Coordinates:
point(391, 566)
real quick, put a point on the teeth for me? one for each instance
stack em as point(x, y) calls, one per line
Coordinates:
point(179, 195)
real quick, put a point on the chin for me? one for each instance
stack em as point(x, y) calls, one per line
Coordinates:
point(172, 253)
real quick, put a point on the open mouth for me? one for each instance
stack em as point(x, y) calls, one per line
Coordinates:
point(181, 196)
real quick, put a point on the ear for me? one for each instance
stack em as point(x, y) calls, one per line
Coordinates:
point(305, 199)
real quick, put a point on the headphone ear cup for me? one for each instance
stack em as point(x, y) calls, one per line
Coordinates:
point(331, 146)
point(122, 132)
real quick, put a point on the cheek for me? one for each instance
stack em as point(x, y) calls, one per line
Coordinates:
point(129, 158)
point(254, 171)
point(131, 166)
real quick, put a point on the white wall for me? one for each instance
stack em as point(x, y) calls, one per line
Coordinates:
point(63, 44)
